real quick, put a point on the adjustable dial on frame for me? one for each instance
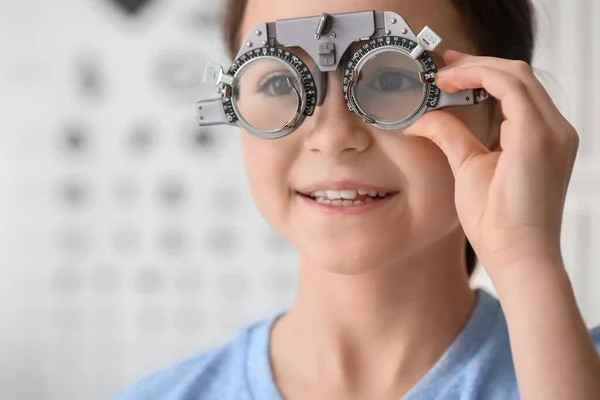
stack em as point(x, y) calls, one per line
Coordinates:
point(280, 56)
point(412, 89)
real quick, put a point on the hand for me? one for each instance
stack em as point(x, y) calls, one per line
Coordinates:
point(510, 202)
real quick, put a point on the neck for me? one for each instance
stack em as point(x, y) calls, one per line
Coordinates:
point(387, 326)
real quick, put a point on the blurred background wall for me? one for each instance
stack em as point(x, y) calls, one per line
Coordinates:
point(128, 238)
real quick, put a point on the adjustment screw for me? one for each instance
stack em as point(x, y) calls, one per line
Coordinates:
point(332, 35)
point(393, 20)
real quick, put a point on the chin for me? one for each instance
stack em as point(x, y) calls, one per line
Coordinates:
point(349, 258)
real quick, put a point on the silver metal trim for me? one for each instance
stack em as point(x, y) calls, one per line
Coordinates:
point(211, 112)
point(427, 77)
point(287, 127)
point(323, 26)
point(368, 117)
point(481, 95)
point(417, 52)
point(428, 39)
point(214, 75)
point(398, 28)
point(291, 33)
point(457, 99)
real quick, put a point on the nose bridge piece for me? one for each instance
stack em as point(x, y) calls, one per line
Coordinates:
point(333, 111)
point(320, 77)
point(321, 84)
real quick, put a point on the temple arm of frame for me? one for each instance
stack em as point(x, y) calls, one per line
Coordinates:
point(462, 98)
point(210, 112)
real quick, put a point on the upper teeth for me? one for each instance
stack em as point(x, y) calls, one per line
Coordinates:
point(345, 194)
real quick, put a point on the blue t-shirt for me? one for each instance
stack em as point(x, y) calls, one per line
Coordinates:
point(477, 365)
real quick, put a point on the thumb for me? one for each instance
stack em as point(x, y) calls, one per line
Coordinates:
point(451, 135)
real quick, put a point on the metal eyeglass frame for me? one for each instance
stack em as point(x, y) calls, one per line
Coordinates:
point(326, 39)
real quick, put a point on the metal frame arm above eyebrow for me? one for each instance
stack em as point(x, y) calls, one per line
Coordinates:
point(326, 50)
point(210, 112)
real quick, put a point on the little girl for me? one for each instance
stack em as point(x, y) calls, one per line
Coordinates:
point(384, 309)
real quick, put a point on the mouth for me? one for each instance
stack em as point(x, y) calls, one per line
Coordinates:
point(347, 197)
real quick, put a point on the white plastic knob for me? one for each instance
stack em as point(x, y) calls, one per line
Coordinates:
point(428, 39)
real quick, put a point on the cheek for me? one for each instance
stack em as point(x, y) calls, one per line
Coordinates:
point(429, 178)
point(429, 187)
point(267, 164)
point(262, 169)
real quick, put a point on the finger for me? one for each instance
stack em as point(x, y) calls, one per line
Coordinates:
point(451, 135)
point(512, 93)
point(537, 91)
point(453, 56)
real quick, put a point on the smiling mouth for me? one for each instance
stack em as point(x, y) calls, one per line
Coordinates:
point(346, 198)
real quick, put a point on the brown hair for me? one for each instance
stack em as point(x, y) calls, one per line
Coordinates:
point(499, 28)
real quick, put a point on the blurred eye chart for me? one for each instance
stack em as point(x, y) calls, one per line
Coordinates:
point(128, 237)
point(126, 230)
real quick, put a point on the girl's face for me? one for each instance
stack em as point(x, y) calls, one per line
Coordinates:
point(334, 149)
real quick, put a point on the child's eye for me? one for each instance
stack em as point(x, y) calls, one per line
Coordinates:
point(394, 81)
point(276, 85)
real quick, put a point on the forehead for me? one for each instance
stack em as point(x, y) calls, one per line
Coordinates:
point(440, 15)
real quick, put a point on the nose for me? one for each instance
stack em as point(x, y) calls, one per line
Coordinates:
point(334, 130)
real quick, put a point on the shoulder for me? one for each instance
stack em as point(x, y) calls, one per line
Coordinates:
point(217, 373)
point(490, 370)
point(181, 380)
point(478, 364)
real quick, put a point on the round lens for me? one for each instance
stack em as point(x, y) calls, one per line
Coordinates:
point(389, 88)
point(267, 93)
